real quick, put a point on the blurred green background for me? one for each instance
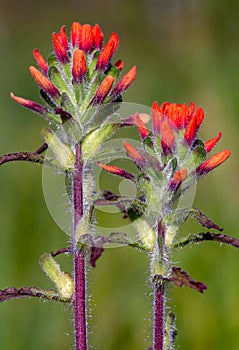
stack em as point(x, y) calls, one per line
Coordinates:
point(184, 50)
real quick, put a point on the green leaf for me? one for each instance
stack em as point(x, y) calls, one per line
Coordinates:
point(95, 138)
point(56, 78)
point(63, 153)
point(63, 280)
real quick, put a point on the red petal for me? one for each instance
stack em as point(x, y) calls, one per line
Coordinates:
point(167, 136)
point(33, 106)
point(98, 36)
point(108, 51)
point(178, 178)
point(183, 112)
point(75, 34)
point(119, 64)
point(210, 144)
point(141, 127)
point(164, 108)
point(125, 82)
point(191, 109)
point(103, 90)
point(44, 83)
point(86, 38)
point(134, 154)
point(157, 118)
point(40, 61)
point(200, 116)
point(173, 115)
point(79, 67)
point(116, 171)
point(64, 37)
point(59, 48)
point(213, 162)
point(191, 130)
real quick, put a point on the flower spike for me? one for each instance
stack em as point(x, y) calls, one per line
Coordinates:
point(117, 171)
point(40, 61)
point(88, 75)
point(44, 83)
point(213, 162)
point(210, 144)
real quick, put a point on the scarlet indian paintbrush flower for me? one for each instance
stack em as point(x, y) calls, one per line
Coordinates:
point(173, 156)
point(78, 73)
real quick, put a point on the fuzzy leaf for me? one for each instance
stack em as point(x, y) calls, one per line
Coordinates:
point(63, 280)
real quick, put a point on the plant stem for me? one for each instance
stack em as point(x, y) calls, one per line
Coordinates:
point(159, 297)
point(79, 259)
point(159, 316)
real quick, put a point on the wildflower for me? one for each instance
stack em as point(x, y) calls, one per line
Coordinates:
point(171, 159)
point(78, 74)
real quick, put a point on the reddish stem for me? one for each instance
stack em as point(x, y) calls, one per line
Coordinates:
point(79, 260)
point(159, 299)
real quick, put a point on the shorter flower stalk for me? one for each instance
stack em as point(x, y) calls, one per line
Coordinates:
point(170, 160)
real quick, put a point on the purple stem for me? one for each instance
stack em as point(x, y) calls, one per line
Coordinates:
point(159, 299)
point(158, 317)
point(79, 260)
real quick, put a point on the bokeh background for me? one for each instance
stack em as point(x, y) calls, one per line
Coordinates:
point(185, 51)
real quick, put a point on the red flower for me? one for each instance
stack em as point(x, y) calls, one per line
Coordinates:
point(210, 144)
point(79, 67)
point(213, 162)
point(44, 83)
point(108, 51)
point(178, 178)
point(134, 154)
point(103, 89)
point(116, 171)
point(81, 60)
point(182, 153)
point(40, 61)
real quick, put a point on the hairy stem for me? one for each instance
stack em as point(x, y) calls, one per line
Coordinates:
point(208, 236)
point(159, 297)
point(159, 301)
point(27, 156)
point(79, 259)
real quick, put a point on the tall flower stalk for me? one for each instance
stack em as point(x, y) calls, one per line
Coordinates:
point(171, 159)
point(76, 82)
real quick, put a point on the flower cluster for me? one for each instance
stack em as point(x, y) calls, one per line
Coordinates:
point(78, 74)
point(171, 159)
